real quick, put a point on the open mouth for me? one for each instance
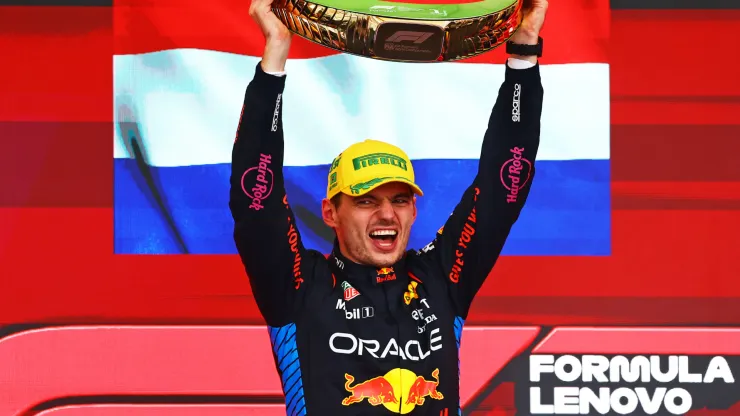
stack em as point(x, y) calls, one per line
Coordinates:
point(384, 240)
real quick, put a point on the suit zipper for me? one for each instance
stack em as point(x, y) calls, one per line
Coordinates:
point(398, 337)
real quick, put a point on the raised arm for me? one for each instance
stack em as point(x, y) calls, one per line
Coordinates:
point(469, 244)
point(264, 226)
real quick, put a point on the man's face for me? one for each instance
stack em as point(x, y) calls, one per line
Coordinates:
point(373, 229)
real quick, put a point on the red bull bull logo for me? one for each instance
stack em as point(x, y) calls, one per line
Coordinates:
point(399, 390)
point(386, 274)
point(377, 391)
point(423, 388)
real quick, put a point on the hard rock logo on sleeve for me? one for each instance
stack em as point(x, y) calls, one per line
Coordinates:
point(257, 182)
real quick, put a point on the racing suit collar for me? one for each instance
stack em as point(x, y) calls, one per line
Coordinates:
point(360, 273)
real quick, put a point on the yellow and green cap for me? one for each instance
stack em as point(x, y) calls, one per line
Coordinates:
point(366, 165)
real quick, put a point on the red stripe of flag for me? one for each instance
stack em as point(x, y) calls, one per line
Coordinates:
point(578, 30)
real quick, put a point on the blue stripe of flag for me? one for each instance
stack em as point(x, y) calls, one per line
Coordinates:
point(568, 211)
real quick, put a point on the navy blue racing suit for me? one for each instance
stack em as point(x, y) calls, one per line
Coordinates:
point(350, 339)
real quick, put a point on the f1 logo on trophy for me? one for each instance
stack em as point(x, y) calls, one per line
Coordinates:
point(406, 32)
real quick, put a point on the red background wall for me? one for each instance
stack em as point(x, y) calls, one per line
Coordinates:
point(676, 191)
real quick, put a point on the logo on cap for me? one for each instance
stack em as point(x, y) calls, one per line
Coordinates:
point(378, 159)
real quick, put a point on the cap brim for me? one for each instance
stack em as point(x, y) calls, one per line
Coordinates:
point(367, 186)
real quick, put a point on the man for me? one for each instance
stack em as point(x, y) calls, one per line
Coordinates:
point(374, 328)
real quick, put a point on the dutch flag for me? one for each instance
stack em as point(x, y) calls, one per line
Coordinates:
point(180, 73)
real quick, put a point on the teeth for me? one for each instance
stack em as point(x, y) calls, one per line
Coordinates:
point(384, 232)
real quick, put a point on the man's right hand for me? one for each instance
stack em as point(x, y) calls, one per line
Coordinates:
point(277, 36)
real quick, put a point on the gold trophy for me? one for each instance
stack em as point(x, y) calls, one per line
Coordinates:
point(403, 32)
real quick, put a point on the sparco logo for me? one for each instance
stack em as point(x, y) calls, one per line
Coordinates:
point(276, 113)
point(516, 112)
point(512, 176)
point(257, 182)
point(408, 35)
